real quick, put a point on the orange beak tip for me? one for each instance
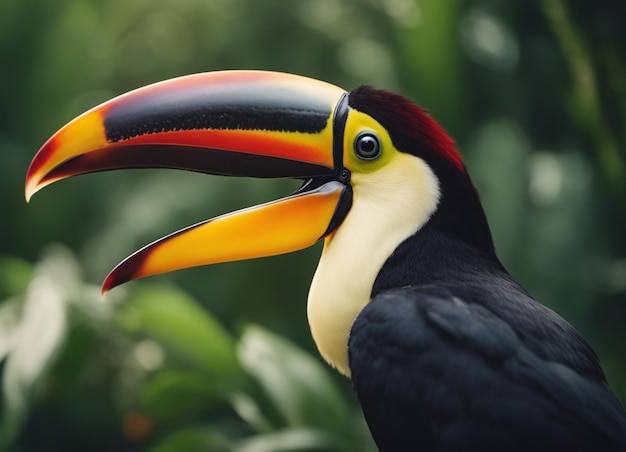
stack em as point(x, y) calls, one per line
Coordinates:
point(29, 192)
point(29, 189)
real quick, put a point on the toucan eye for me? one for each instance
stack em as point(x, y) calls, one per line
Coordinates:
point(367, 146)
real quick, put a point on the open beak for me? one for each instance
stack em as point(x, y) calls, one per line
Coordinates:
point(235, 123)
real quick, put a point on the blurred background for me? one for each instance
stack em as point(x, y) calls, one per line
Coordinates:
point(221, 358)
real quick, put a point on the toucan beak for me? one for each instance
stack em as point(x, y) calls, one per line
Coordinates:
point(235, 123)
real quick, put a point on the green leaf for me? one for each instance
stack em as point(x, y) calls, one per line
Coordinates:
point(36, 338)
point(174, 393)
point(10, 311)
point(300, 386)
point(194, 439)
point(14, 276)
point(183, 327)
point(249, 410)
point(293, 439)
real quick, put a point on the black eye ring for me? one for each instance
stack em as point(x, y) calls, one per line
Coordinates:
point(367, 146)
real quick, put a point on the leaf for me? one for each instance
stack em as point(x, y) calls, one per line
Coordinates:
point(10, 311)
point(174, 393)
point(292, 439)
point(194, 439)
point(38, 336)
point(14, 276)
point(183, 327)
point(299, 386)
point(249, 410)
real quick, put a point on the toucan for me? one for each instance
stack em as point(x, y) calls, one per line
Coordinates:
point(445, 350)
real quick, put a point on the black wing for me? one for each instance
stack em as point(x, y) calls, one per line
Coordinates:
point(435, 370)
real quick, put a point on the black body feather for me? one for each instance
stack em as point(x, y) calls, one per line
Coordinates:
point(468, 361)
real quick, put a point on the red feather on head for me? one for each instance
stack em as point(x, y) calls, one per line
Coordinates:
point(397, 113)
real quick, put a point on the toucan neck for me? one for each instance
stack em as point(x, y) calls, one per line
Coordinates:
point(433, 255)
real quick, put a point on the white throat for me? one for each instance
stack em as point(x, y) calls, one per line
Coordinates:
point(389, 205)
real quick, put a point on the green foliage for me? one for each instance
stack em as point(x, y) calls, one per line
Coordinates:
point(188, 331)
point(534, 93)
point(193, 439)
point(179, 380)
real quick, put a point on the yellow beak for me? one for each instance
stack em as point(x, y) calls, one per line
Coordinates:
point(234, 123)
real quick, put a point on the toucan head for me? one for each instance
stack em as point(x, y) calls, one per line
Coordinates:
point(375, 169)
